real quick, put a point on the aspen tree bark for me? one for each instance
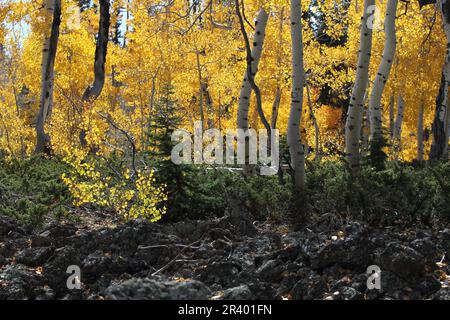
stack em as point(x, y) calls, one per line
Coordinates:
point(365, 123)
point(440, 137)
point(376, 133)
point(296, 149)
point(246, 89)
point(365, 132)
point(53, 9)
point(252, 56)
point(93, 91)
point(420, 133)
point(355, 108)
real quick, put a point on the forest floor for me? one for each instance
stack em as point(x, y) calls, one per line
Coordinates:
point(226, 258)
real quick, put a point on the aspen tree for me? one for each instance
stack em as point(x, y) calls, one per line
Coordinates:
point(93, 91)
point(246, 89)
point(355, 108)
point(296, 148)
point(440, 136)
point(249, 85)
point(53, 9)
point(376, 134)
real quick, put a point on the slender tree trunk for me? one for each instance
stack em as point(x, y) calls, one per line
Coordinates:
point(420, 133)
point(209, 105)
point(365, 123)
point(365, 132)
point(296, 148)
point(440, 137)
point(355, 108)
point(53, 9)
point(399, 120)
point(438, 127)
point(93, 91)
point(376, 132)
point(278, 63)
point(397, 141)
point(253, 56)
point(318, 149)
point(391, 116)
point(200, 92)
point(246, 90)
point(275, 107)
point(445, 154)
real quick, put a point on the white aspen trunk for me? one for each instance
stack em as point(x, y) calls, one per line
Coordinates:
point(294, 142)
point(365, 132)
point(391, 116)
point(249, 85)
point(246, 90)
point(420, 133)
point(399, 120)
point(365, 123)
point(376, 132)
point(355, 108)
point(52, 13)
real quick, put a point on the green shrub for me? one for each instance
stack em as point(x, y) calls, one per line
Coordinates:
point(31, 189)
point(400, 191)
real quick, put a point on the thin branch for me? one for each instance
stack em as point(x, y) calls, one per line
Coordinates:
point(244, 16)
point(127, 135)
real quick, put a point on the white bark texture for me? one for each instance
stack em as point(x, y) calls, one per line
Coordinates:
point(355, 108)
point(376, 133)
point(246, 90)
point(52, 13)
point(294, 142)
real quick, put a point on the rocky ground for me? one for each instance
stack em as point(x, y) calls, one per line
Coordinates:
point(223, 259)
